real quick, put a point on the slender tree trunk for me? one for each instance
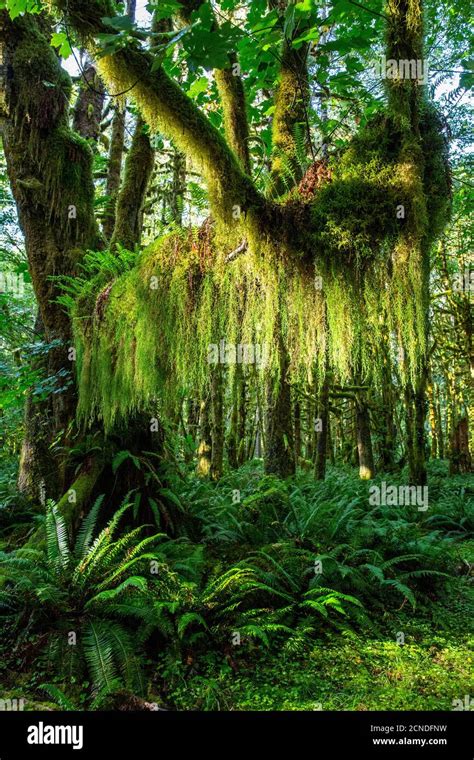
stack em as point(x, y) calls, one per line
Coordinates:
point(114, 171)
point(131, 197)
point(322, 425)
point(297, 430)
point(434, 448)
point(178, 187)
point(364, 440)
point(387, 424)
point(439, 425)
point(242, 418)
point(217, 421)
point(279, 447)
point(203, 468)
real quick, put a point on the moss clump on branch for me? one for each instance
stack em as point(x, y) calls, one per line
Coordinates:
point(145, 340)
point(366, 232)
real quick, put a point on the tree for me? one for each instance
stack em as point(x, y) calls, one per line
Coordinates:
point(352, 217)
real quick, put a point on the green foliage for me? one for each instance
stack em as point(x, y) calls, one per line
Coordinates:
point(88, 591)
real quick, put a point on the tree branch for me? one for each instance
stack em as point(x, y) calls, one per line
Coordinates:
point(167, 109)
point(237, 252)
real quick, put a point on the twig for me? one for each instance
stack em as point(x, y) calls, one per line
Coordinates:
point(237, 251)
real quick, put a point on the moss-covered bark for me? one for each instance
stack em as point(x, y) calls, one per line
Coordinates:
point(217, 422)
point(322, 426)
point(49, 168)
point(290, 119)
point(232, 96)
point(89, 105)
point(131, 198)
point(178, 187)
point(74, 503)
point(114, 169)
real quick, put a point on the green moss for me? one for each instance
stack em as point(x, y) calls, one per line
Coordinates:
point(367, 232)
point(59, 155)
point(289, 118)
point(150, 343)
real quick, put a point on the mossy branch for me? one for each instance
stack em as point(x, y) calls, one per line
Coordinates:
point(232, 96)
point(167, 109)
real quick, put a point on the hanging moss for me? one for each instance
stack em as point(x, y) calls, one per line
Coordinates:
point(147, 341)
point(144, 339)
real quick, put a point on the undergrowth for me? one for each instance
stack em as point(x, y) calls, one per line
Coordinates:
point(284, 576)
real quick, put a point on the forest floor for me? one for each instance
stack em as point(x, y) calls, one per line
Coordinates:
point(398, 637)
point(432, 670)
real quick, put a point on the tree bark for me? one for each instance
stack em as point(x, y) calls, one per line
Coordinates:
point(89, 105)
point(323, 424)
point(217, 423)
point(279, 445)
point(131, 198)
point(114, 171)
point(50, 172)
point(203, 467)
point(364, 440)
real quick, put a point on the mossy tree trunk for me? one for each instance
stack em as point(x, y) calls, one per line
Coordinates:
point(217, 421)
point(290, 120)
point(178, 187)
point(297, 429)
point(114, 169)
point(386, 428)
point(50, 171)
point(131, 197)
point(322, 427)
point(89, 105)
